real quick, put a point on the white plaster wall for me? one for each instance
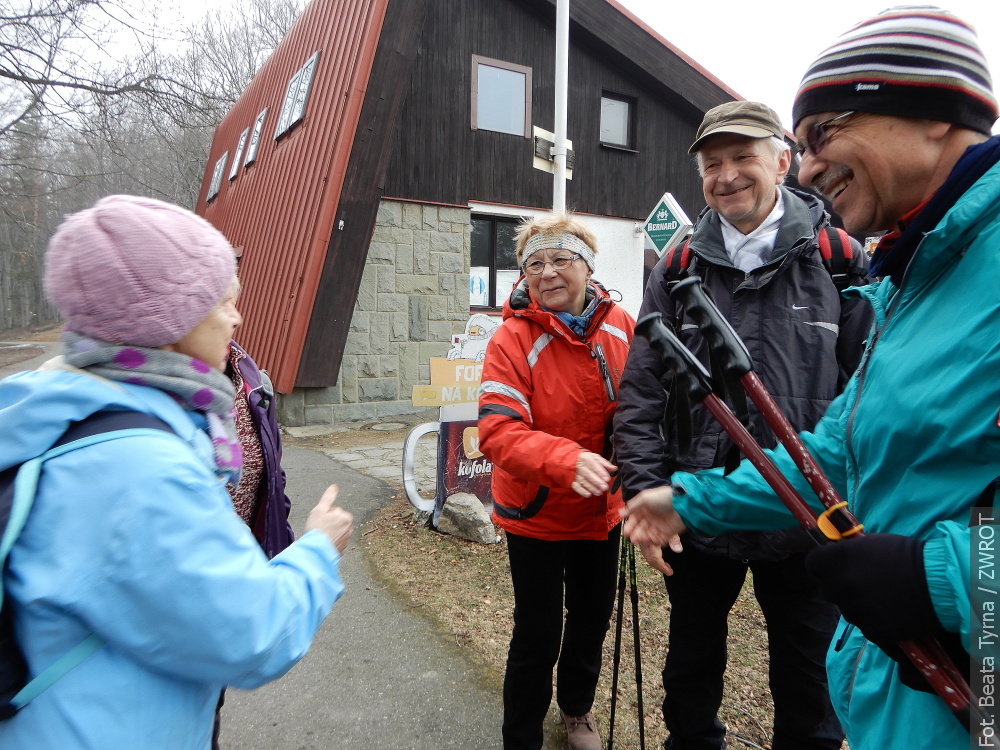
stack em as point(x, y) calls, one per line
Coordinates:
point(619, 250)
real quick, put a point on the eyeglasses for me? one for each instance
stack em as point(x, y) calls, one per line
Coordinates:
point(817, 135)
point(561, 263)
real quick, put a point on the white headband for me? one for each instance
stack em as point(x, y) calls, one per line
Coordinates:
point(558, 241)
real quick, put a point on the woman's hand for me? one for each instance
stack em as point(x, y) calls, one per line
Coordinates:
point(331, 519)
point(593, 474)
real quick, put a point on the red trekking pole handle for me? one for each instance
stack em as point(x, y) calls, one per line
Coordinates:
point(837, 522)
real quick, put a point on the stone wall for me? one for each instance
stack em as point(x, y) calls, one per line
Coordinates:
point(414, 296)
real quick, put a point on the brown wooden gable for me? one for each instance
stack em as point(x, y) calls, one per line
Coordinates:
point(304, 214)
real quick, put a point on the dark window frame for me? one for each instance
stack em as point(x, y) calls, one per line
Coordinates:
point(494, 220)
point(632, 103)
point(478, 60)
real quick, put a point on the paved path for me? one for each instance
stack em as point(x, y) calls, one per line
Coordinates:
point(377, 674)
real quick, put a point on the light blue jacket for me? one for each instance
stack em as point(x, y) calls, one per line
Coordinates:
point(136, 540)
point(910, 445)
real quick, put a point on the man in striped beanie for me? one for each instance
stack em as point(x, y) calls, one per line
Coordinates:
point(893, 124)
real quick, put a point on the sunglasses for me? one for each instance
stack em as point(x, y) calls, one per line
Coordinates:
point(818, 135)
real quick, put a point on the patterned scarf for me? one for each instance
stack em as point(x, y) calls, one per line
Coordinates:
point(191, 382)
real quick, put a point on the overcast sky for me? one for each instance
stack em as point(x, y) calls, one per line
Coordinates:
point(761, 49)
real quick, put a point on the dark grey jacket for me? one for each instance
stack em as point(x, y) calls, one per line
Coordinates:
point(803, 338)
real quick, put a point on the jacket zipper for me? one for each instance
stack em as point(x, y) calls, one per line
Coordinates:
point(597, 352)
point(863, 369)
point(854, 670)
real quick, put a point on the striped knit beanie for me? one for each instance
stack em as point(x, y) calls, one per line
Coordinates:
point(909, 61)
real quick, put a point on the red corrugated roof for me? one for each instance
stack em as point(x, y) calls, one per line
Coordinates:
point(280, 210)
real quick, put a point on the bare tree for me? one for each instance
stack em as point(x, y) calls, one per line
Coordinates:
point(97, 98)
point(57, 56)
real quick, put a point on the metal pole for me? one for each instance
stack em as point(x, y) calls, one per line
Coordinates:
point(562, 89)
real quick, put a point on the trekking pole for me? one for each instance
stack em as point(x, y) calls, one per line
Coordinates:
point(837, 522)
point(691, 374)
point(635, 638)
point(616, 659)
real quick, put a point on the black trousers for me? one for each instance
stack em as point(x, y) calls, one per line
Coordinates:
point(800, 624)
point(582, 575)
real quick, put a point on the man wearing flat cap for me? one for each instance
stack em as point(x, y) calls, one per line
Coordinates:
point(756, 248)
point(894, 125)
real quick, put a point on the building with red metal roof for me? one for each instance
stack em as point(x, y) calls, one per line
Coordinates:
point(372, 173)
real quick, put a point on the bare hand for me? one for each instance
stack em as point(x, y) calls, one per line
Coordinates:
point(331, 519)
point(593, 474)
point(654, 556)
point(650, 518)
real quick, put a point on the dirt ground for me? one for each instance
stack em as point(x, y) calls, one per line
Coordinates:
point(464, 589)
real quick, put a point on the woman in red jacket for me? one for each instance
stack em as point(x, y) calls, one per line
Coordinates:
point(549, 388)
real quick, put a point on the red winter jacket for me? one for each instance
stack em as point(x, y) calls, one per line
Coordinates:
point(543, 399)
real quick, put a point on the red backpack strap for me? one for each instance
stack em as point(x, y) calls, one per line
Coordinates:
point(836, 251)
point(678, 261)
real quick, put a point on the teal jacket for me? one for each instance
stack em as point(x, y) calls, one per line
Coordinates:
point(910, 444)
point(136, 540)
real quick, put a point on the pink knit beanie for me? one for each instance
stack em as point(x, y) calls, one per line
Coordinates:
point(137, 271)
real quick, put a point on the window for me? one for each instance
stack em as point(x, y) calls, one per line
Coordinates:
point(501, 96)
point(494, 268)
point(258, 128)
point(296, 95)
point(216, 183)
point(616, 121)
point(238, 154)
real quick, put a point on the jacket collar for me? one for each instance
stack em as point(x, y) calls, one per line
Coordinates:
point(804, 215)
point(520, 304)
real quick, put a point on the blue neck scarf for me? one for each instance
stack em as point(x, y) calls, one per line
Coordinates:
point(896, 249)
point(578, 324)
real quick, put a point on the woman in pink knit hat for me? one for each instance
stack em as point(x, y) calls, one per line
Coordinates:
point(131, 545)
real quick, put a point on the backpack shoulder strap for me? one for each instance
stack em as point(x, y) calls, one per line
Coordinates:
point(17, 488)
point(836, 251)
point(678, 261)
point(17, 493)
point(55, 671)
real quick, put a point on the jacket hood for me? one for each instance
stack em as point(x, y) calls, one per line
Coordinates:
point(37, 407)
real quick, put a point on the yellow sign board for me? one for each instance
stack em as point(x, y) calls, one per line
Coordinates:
point(455, 371)
point(444, 395)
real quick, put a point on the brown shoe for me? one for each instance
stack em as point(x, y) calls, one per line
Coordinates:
point(582, 732)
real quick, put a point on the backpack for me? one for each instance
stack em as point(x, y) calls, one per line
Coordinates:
point(834, 248)
point(17, 493)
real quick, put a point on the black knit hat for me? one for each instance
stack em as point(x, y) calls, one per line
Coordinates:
point(909, 61)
